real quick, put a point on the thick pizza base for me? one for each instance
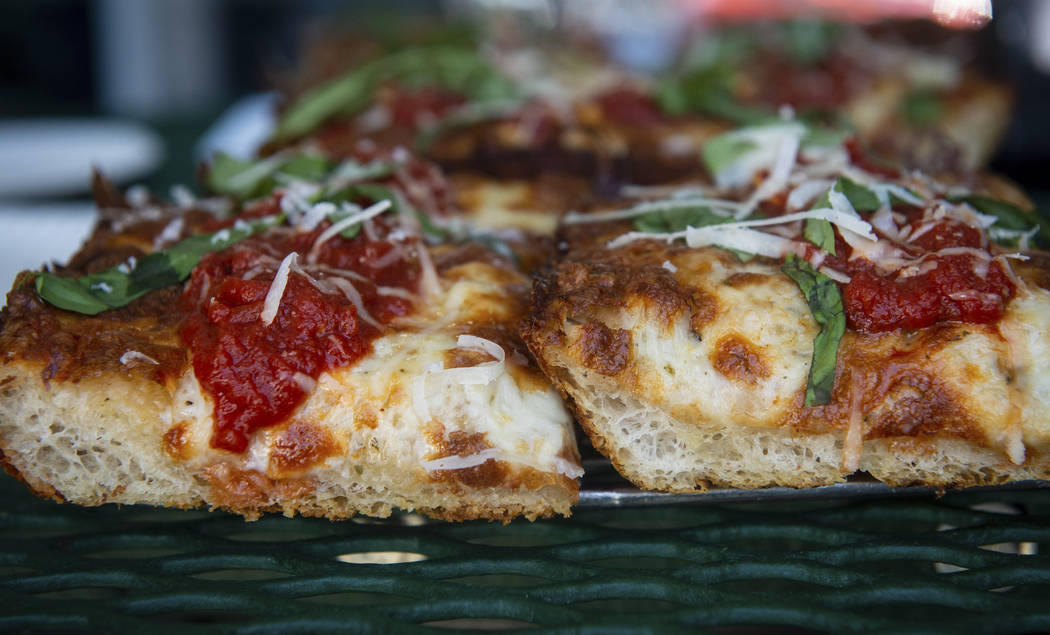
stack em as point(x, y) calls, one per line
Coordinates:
point(112, 440)
point(688, 368)
point(444, 416)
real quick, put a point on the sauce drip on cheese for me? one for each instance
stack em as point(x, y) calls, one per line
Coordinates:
point(257, 374)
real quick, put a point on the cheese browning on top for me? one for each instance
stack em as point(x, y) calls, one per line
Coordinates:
point(690, 364)
point(353, 354)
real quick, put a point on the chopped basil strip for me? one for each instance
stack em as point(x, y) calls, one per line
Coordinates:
point(819, 231)
point(861, 198)
point(825, 303)
point(251, 179)
point(458, 69)
point(351, 171)
point(120, 285)
point(1009, 216)
point(721, 152)
point(708, 91)
point(676, 219)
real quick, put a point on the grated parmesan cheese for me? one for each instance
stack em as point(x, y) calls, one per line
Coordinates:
point(369, 212)
point(129, 357)
point(276, 292)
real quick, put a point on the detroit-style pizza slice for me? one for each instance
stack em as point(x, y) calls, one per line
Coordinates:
point(326, 347)
point(808, 316)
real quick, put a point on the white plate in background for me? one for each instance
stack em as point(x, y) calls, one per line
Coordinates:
point(34, 234)
point(54, 157)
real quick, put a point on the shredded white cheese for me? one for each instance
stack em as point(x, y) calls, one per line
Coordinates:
point(462, 462)
point(730, 235)
point(369, 212)
point(130, 357)
point(170, 233)
point(480, 343)
point(276, 292)
point(352, 294)
point(182, 196)
point(806, 192)
point(718, 206)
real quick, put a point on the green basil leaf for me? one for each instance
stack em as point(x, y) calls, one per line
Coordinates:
point(228, 175)
point(820, 232)
point(861, 198)
point(154, 271)
point(68, 294)
point(825, 303)
point(348, 232)
point(120, 285)
point(708, 91)
point(922, 108)
point(742, 256)
point(352, 171)
point(721, 152)
point(305, 167)
point(1009, 216)
point(458, 69)
point(251, 179)
point(676, 219)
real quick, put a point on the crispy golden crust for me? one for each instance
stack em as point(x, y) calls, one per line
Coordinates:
point(82, 422)
point(72, 346)
point(917, 392)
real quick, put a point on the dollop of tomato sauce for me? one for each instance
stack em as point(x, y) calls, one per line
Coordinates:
point(957, 285)
point(257, 374)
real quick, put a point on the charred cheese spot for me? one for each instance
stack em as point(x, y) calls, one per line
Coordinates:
point(177, 441)
point(366, 416)
point(465, 357)
point(745, 278)
point(604, 350)
point(300, 446)
point(491, 473)
point(921, 406)
point(738, 359)
point(914, 384)
point(704, 311)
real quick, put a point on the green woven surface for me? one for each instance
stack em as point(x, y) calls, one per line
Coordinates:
point(836, 566)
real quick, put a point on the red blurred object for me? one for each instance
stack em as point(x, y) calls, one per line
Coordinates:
point(950, 13)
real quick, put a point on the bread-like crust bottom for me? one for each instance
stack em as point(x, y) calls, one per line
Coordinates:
point(656, 451)
point(102, 440)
